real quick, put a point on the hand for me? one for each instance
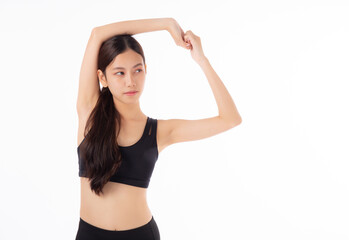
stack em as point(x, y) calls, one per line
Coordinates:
point(194, 45)
point(177, 33)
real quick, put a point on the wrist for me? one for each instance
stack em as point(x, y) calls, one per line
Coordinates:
point(202, 61)
point(168, 23)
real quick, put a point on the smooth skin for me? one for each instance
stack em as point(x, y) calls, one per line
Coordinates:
point(123, 206)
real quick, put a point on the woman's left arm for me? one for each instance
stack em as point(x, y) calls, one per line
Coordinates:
point(226, 106)
point(182, 130)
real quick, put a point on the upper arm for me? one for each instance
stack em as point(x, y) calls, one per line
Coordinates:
point(88, 81)
point(181, 130)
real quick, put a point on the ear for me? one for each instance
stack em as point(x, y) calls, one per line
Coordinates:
point(101, 78)
point(145, 66)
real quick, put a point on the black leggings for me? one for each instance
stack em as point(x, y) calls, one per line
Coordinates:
point(87, 231)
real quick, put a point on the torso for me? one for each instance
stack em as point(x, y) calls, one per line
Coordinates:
point(122, 206)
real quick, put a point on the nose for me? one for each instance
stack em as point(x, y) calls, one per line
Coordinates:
point(130, 82)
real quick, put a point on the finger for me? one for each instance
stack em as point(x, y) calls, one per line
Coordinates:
point(189, 34)
point(188, 38)
point(183, 42)
point(187, 45)
point(180, 42)
point(184, 45)
point(188, 42)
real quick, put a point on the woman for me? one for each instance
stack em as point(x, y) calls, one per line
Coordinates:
point(118, 145)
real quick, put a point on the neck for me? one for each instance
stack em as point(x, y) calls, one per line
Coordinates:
point(129, 111)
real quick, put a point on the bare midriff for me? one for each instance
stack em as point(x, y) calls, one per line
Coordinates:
point(121, 207)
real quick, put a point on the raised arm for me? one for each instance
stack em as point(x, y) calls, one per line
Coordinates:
point(182, 130)
point(133, 27)
point(88, 81)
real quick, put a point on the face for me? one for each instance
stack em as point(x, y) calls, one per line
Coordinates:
point(126, 73)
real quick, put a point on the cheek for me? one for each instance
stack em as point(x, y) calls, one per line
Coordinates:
point(116, 88)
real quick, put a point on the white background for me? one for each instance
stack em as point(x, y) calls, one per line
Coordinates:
point(281, 174)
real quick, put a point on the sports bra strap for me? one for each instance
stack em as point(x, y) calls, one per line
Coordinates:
point(151, 128)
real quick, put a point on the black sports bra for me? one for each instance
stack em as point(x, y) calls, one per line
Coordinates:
point(138, 160)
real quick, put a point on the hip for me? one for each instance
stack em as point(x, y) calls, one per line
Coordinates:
point(147, 231)
point(121, 217)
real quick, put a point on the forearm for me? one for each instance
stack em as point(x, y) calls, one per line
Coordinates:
point(131, 27)
point(226, 106)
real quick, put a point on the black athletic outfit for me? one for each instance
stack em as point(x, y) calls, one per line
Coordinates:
point(138, 162)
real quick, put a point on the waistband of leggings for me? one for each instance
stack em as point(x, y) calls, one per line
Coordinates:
point(94, 228)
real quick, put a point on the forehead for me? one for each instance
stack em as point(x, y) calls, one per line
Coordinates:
point(120, 67)
point(128, 59)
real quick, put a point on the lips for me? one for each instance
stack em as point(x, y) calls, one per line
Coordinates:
point(131, 92)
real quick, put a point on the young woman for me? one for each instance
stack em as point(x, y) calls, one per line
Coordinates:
point(118, 145)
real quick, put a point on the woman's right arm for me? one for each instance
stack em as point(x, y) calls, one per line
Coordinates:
point(133, 27)
point(88, 81)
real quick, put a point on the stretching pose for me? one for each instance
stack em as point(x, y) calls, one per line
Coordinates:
point(118, 145)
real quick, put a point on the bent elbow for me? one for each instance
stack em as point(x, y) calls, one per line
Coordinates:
point(236, 122)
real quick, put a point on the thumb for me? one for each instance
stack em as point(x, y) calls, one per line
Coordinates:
point(187, 39)
point(186, 42)
point(183, 43)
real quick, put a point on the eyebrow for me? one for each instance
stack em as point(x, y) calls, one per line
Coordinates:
point(124, 68)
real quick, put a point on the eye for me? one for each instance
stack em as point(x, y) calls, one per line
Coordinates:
point(123, 72)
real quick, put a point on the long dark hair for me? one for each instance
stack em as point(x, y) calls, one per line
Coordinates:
point(100, 150)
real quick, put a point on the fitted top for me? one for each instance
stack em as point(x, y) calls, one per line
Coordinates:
point(138, 160)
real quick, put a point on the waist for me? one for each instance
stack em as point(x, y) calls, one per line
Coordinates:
point(116, 217)
point(117, 201)
point(114, 213)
